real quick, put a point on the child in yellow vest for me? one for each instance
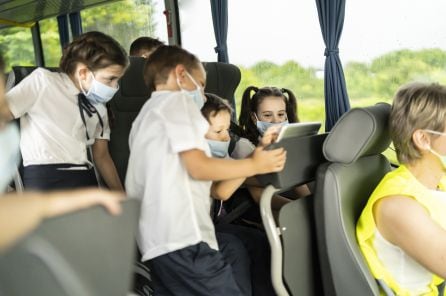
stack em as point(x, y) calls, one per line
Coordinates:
point(402, 229)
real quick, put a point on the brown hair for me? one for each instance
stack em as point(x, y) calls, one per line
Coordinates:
point(144, 43)
point(2, 65)
point(163, 60)
point(213, 105)
point(94, 49)
point(250, 105)
point(416, 106)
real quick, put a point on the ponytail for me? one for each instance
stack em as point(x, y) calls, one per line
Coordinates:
point(291, 105)
point(249, 107)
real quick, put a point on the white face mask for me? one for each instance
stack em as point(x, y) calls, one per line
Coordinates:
point(219, 149)
point(262, 126)
point(441, 157)
point(99, 93)
point(196, 94)
point(9, 158)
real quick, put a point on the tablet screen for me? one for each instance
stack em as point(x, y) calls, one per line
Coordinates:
point(298, 129)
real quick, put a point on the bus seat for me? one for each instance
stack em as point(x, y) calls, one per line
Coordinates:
point(222, 79)
point(125, 106)
point(343, 185)
point(88, 252)
point(294, 259)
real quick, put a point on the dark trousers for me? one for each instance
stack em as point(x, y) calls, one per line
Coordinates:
point(257, 245)
point(199, 270)
point(54, 177)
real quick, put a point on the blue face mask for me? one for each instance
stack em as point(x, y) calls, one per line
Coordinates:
point(99, 93)
point(262, 126)
point(9, 157)
point(219, 149)
point(196, 94)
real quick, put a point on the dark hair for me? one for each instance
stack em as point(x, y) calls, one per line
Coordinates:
point(250, 105)
point(94, 49)
point(213, 105)
point(144, 43)
point(163, 60)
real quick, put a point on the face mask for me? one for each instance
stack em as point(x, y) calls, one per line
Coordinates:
point(262, 126)
point(441, 157)
point(195, 94)
point(9, 157)
point(99, 93)
point(219, 149)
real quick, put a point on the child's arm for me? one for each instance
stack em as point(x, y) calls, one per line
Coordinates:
point(223, 190)
point(201, 167)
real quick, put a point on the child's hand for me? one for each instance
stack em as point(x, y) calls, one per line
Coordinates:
point(270, 135)
point(268, 161)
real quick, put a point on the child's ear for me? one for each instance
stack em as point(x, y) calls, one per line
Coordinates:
point(82, 71)
point(180, 72)
point(253, 118)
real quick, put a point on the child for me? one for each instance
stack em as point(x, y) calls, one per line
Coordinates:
point(20, 214)
point(171, 170)
point(262, 114)
point(218, 113)
point(144, 46)
point(63, 114)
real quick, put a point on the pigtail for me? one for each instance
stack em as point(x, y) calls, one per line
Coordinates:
point(245, 118)
point(291, 105)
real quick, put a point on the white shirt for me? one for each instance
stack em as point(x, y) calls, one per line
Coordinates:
point(52, 130)
point(175, 208)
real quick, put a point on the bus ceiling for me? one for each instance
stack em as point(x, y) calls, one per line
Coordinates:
point(25, 13)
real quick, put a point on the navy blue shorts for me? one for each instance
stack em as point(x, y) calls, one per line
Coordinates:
point(199, 270)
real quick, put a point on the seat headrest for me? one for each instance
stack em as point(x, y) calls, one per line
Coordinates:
point(359, 132)
point(222, 79)
point(132, 83)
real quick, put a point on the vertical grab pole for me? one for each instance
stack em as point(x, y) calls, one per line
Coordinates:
point(273, 234)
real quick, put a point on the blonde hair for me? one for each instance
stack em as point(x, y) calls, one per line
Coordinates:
point(416, 106)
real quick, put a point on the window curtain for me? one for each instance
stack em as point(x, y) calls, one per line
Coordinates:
point(76, 24)
point(64, 34)
point(331, 18)
point(220, 19)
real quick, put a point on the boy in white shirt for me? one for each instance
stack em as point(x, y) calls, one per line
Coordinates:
point(171, 170)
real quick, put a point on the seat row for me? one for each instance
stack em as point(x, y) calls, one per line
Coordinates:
point(313, 241)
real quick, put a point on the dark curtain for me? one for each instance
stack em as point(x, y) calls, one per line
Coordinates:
point(331, 18)
point(220, 19)
point(76, 24)
point(64, 34)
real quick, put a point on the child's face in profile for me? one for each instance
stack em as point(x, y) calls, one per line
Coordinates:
point(219, 126)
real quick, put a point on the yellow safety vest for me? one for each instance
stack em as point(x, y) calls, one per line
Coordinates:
point(398, 182)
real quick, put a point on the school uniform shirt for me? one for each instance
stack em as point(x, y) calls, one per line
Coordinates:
point(51, 127)
point(175, 207)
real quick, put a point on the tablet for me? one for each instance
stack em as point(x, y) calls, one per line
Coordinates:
point(298, 129)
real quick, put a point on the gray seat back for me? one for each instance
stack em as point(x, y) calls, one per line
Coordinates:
point(88, 252)
point(125, 106)
point(343, 186)
point(299, 262)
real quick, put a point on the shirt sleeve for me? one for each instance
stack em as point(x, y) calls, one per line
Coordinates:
point(185, 126)
point(23, 96)
point(243, 148)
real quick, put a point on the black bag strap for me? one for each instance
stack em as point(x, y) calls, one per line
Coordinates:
point(87, 107)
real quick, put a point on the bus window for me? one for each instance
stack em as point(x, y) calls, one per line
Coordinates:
point(127, 20)
point(404, 45)
point(197, 33)
point(52, 50)
point(16, 46)
point(279, 45)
